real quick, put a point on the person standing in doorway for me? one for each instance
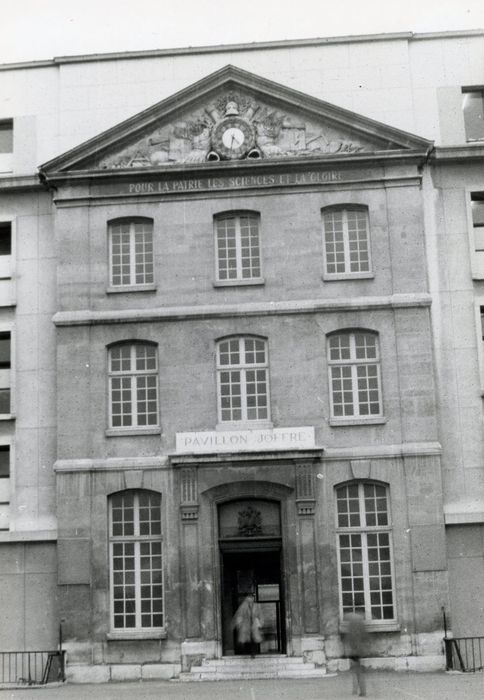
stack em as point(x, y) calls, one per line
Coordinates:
point(247, 622)
point(356, 638)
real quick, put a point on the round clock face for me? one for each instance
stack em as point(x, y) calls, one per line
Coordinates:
point(233, 137)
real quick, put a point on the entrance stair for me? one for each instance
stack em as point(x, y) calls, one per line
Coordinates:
point(246, 668)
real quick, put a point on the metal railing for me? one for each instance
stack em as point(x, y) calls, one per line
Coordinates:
point(31, 667)
point(464, 653)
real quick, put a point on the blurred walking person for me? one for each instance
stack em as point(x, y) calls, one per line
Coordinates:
point(248, 623)
point(356, 638)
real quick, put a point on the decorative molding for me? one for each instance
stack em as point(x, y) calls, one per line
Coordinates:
point(110, 464)
point(188, 486)
point(409, 449)
point(189, 513)
point(210, 311)
point(246, 458)
point(306, 507)
point(304, 481)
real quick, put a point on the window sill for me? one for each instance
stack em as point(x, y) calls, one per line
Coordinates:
point(128, 432)
point(128, 635)
point(245, 425)
point(131, 288)
point(240, 283)
point(373, 627)
point(339, 422)
point(7, 416)
point(348, 276)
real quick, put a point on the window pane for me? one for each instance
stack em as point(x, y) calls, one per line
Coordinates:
point(6, 136)
point(473, 107)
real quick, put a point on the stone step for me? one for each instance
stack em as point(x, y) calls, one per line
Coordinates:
point(255, 675)
point(246, 668)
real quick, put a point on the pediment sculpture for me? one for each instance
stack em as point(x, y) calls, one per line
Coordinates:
point(233, 127)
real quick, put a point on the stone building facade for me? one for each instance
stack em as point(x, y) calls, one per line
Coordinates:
point(245, 331)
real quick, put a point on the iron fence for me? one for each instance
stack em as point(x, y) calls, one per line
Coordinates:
point(464, 653)
point(31, 667)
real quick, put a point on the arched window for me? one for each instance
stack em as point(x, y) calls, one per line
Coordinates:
point(346, 242)
point(135, 541)
point(133, 385)
point(365, 550)
point(243, 379)
point(131, 252)
point(354, 375)
point(237, 246)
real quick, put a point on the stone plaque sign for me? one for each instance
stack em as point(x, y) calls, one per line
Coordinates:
point(300, 438)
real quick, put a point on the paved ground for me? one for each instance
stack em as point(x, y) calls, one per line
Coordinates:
point(388, 686)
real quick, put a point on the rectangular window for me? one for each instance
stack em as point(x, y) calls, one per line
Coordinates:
point(365, 552)
point(238, 247)
point(4, 487)
point(354, 372)
point(6, 145)
point(473, 108)
point(133, 380)
point(136, 561)
point(346, 242)
point(243, 380)
point(131, 253)
point(5, 373)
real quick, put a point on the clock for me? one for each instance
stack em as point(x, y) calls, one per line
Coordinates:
point(233, 137)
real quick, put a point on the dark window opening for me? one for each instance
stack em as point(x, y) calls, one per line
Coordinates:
point(4, 461)
point(5, 238)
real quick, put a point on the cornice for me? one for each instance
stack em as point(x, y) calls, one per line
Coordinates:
point(231, 458)
point(214, 169)
point(458, 153)
point(110, 464)
point(86, 317)
point(25, 183)
point(406, 449)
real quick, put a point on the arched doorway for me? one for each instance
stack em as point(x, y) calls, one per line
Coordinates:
point(251, 562)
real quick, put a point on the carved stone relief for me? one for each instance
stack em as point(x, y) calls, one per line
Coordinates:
point(232, 127)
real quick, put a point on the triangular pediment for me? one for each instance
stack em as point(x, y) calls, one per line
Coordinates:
point(233, 115)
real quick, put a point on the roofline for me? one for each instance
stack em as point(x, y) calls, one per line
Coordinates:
point(230, 48)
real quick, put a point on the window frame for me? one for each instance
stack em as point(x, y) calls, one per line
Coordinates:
point(466, 90)
point(7, 486)
point(7, 262)
point(243, 367)
point(6, 157)
point(344, 208)
point(132, 285)
point(353, 362)
point(364, 530)
point(133, 374)
point(138, 631)
point(238, 280)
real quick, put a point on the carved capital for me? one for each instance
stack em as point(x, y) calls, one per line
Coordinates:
point(306, 507)
point(189, 513)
